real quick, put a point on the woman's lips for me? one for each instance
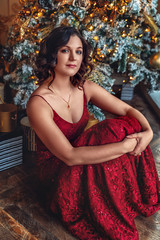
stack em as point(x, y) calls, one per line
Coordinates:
point(71, 65)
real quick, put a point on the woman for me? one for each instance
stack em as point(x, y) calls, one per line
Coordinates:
point(100, 179)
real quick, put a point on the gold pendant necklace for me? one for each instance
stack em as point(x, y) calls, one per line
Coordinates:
point(68, 105)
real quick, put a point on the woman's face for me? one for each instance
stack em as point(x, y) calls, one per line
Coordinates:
point(69, 57)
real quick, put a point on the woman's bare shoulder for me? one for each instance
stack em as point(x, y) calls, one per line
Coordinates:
point(41, 90)
point(38, 94)
point(89, 85)
point(37, 101)
point(89, 88)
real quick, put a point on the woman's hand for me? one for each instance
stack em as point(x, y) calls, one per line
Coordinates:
point(143, 139)
point(129, 144)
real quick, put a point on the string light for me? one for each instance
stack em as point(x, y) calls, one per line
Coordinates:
point(36, 82)
point(110, 6)
point(40, 14)
point(96, 38)
point(123, 34)
point(98, 51)
point(154, 39)
point(90, 27)
point(102, 55)
point(27, 12)
point(131, 78)
point(147, 30)
point(104, 18)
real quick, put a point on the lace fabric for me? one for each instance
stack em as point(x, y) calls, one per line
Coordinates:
point(100, 201)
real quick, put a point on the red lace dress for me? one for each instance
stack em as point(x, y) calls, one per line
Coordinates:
point(100, 201)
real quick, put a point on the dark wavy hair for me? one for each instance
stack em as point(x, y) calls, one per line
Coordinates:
point(47, 57)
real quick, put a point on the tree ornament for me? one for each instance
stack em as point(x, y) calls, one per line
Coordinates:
point(113, 15)
point(132, 58)
point(154, 60)
point(40, 13)
point(63, 2)
point(149, 21)
point(87, 19)
point(24, 2)
point(34, 8)
point(104, 19)
point(45, 31)
point(122, 10)
point(128, 1)
point(133, 29)
point(84, 4)
point(154, 39)
point(24, 27)
point(110, 6)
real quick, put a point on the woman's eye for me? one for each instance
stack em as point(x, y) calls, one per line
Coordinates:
point(64, 50)
point(79, 52)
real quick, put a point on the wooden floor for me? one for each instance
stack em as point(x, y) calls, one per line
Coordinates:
point(22, 215)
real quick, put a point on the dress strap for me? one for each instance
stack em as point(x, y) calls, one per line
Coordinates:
point(84, 97)
point(43, 99)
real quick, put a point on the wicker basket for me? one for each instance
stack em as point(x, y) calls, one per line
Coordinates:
point(29, 135)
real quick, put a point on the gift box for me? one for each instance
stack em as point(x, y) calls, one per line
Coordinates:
point(11, 149)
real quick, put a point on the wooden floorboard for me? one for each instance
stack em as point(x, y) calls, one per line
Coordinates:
point(12, 228)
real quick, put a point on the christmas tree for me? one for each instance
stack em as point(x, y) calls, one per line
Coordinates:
point(124, 35)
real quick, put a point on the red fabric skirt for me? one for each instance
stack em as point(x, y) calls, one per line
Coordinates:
point(100, 201)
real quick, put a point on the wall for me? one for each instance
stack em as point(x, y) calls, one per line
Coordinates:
point(8, 9)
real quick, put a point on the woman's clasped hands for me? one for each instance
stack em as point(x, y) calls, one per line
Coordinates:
point(142, 141)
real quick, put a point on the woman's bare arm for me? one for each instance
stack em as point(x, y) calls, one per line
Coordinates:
point(144, 137)
point(106, 101)
point(41, 119)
